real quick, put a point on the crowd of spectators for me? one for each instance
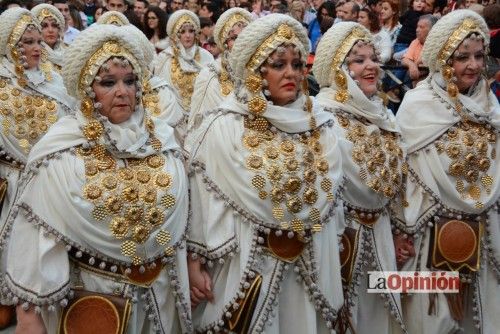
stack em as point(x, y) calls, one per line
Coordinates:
point(399, 27)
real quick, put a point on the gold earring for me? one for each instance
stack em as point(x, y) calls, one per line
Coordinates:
point(447, 73)
point(256, 105)
point(341, 81)
point(19, 68)
point(45, 65)
point(87, 107)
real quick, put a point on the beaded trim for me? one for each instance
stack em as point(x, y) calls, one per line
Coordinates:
point(24, 296)
point(307, 272)
point(248, 274)
point(367, 259)
point(227, 248)
point(6, 159)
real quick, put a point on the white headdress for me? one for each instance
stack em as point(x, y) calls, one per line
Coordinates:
point(227, 21)
point(261, 38)
point(178, 18)
point(443, 39)
point(44, 10)
point(99, 42)
point(13, 23)
point(118, 19)
point(86, 55)
point(334, 47)
point(113, 17)
point(448, 33)
point(338, 88)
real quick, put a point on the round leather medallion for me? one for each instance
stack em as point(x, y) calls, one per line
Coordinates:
point(287, 249)
point(90, 315)
point(456, 241)
point(346, 251)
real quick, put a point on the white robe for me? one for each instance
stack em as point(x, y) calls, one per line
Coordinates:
point(300, 297)
point(375, 248)
point(161, 68)
point(206, 97)
point(170, 111)
point(13, 157)
point(55, 55)
point(52, 216)
point(425, 115)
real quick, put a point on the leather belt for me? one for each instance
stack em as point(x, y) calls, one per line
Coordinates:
point(141, 275)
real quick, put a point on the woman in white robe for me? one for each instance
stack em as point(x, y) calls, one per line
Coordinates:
point(103, 207)
point(52, 24)
point(264, 192)
point(347, 69)
point(214, 82)
point(160, 98)
point(181, 62)
point(450, 125)
point(32, 98)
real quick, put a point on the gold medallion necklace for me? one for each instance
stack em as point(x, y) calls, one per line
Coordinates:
point(286, 172)
point(183, 81)
point(471, 147)
point(26, 116)
point(132, 200)
point(378, 155)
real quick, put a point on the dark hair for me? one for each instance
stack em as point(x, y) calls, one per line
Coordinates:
point(355, 7)
point(213, 8)
point(440, 4)
point(491, 14)
point(75, 16)
point(162, 23)
point(146, 3)
point(282, 9)
point(373, 19)
point(395, 8)
point(59, 1)
point(330, 9)
point(6, 3)
point(133, 18)
point(205, 22)
point(326, 24)
point(79, 5)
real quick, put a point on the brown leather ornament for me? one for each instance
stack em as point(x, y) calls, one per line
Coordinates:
point(91, 312)
point(455, 245)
